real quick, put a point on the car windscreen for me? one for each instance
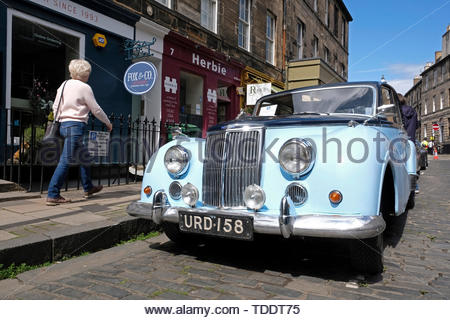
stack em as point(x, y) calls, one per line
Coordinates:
point(355, 100)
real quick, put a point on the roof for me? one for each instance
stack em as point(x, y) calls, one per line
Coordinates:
point(347, 14)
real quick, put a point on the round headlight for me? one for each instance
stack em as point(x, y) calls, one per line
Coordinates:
point(189, 193)
point(254, 197)
point(296, 156)
point(176, 160)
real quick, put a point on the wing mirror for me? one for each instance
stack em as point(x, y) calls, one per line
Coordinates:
point(386, 108)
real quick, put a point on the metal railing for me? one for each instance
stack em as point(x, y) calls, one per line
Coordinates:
point(132, 142)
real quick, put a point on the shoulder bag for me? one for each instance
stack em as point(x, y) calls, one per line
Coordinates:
point(52, 132)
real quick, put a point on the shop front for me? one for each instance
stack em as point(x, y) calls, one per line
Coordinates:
point(199, 85)
point(41, 38)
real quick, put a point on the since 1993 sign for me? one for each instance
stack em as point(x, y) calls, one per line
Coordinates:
point(140, 77)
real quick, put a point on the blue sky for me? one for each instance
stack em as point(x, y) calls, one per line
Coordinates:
point(394, 38)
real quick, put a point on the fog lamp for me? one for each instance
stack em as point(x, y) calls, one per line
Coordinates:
point(189, 193)
point(254, 197)
point(335, 197)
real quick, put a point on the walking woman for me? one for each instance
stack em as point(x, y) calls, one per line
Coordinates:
point(77, 100)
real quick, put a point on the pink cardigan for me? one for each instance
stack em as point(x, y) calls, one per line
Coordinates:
point(78, 99)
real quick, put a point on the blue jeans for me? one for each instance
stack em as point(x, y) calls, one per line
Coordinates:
point(74, 153)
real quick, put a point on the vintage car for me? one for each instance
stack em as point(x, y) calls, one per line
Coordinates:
point(329, 161)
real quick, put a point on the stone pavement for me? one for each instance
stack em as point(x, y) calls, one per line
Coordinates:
point(29, 229)
point(416, 264)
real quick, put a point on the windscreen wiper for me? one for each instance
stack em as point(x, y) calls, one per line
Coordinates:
point(312, 113)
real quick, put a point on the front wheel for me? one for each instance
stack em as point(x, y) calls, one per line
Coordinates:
point(367, 254)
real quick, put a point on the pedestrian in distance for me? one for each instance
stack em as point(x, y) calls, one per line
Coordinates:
point(410, 122)
point(77, 100)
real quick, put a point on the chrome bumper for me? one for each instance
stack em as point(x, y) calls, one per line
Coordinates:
point(286, 224)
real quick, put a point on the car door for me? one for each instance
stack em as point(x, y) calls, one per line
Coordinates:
point(399, 150)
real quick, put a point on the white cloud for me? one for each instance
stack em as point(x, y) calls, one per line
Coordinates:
point(401, 85)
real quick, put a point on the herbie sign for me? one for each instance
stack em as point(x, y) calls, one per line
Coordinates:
point(140, 77)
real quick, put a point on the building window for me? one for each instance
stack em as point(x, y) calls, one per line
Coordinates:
point(336, 63)
point(300, 35)
point(343, 32)
point(209, 15)
point(315, 47)
point(443, 73)
point(434, 103)
point(435, 74)
point(327, 13)
point(336, 20)
point(442, 101)
point(424, 130)
point(244, 24)
point(270, 38)
point(342, 70)
point(425, 109)
point(315, 5)
point(426, 82)
point(167, 3)
point(327, 54)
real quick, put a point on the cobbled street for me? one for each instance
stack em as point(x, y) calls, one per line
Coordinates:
point(416, 264)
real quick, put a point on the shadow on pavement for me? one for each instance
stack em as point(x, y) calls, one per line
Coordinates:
point(327, 259)
point(394, 230)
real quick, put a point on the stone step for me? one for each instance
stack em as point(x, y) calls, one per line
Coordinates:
point(8, 186)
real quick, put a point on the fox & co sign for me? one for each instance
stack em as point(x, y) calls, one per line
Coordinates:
point(140, 77)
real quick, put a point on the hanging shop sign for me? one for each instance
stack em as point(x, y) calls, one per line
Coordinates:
point(256, 91)
point(140, 77)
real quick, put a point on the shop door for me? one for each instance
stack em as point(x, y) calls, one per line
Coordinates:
point(191, 103)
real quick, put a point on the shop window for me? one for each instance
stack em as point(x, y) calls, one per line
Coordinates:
point(244, 24)
point(209, 15)
point(270, 38)
point(39, 60)
point(191, 101)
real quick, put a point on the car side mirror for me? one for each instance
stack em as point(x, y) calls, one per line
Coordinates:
point(386, 108)
point(387, 111)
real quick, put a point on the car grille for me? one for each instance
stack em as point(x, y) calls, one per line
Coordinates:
point(232, 162)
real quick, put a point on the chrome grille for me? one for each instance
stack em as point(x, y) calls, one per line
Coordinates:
point(232, 162)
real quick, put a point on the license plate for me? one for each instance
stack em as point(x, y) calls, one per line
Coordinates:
point(217, 225)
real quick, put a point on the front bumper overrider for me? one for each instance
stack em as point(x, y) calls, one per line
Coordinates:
point(286, 224)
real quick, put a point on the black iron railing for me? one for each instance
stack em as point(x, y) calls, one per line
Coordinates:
point(132, 143)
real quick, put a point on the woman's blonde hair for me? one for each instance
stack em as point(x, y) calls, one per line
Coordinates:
point(79, 69)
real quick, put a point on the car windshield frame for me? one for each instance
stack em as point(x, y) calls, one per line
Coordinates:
point(318, 112)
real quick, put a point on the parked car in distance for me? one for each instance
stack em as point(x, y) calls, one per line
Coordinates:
point(329, 161)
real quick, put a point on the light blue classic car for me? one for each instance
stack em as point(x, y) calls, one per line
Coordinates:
point(330, 161)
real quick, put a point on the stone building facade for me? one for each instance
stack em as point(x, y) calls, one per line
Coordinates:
point(253, 40)
point(430, 96)
point(301, 29)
